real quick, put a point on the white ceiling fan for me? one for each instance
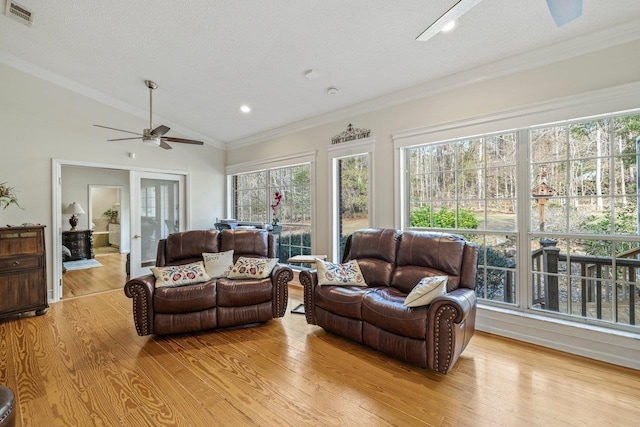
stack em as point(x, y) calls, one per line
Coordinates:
point(562, 11)
point(153, 136)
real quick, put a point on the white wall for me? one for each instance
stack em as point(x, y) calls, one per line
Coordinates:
point(40, 121)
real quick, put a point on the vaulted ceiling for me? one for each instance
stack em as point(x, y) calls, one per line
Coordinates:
point(209, 57)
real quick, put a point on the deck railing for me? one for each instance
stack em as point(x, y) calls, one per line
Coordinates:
point(601, 281)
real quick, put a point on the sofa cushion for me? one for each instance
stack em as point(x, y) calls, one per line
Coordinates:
point(375, 250)
point(427, 289)
point(180, 275)
point(185, 299)
point(422, 254)
point(218, 264)
point(345, 301)
point(242, 292)
point(384, 308)
point(190, 244)
point(252, 268)
point(347, 274)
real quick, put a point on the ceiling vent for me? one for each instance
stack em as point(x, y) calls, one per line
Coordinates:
point(19, 13)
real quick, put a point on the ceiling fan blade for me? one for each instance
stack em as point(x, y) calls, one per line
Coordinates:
point(564, 11)
point(160, 130)
point(120, 130)
point(122, 139)
point(182, 140)
point(165, 145)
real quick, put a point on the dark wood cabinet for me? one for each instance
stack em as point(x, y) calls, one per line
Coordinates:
point(79, 243)
point(23, 271)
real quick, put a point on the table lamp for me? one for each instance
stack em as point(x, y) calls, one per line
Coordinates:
point(74, 209)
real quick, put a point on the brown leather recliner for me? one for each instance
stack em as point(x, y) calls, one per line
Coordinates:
point(7, 407)
point(392, 263)
point(218, 303)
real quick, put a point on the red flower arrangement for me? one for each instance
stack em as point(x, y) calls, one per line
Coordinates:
point(277, 198)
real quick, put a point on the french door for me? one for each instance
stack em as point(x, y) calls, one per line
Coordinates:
point(157, 210)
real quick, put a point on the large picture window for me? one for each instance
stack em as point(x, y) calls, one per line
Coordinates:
point(560, 202)
point(254, 195)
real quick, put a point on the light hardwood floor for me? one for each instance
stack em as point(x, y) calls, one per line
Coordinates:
point(112, 275)
point(83, 364)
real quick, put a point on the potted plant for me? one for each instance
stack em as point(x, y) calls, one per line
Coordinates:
point(112, 215)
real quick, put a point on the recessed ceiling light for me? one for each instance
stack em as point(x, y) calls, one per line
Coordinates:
point(332, 91)
point(245, 109)
point(449, 26)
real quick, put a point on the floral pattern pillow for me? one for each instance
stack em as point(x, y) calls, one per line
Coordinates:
point(252, 268)
point(348, 274)
point(180, 275)
point(218, 264)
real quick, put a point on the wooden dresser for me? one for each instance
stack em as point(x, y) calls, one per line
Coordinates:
point(23, 271)
point(79, 243)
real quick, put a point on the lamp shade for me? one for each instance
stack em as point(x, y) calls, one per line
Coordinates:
point(74, 208)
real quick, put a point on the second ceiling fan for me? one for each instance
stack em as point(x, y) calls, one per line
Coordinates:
point(153, 136)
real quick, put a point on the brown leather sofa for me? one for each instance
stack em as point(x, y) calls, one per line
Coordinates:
point(392, 263)
point(218, 303)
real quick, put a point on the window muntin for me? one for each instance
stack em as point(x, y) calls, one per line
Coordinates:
point(583, 228)
point(254, 193)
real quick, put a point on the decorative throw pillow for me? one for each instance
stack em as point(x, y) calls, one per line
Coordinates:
point(218, 264)
point(347, 274)
point(426, 291)
point(179, 275)
point(252, 268)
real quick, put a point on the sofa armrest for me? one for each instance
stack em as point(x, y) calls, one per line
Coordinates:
point(141, 290)
point(452, 319)
point(309, 281)
point(281, 275)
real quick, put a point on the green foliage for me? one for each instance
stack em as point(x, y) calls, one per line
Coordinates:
point(444, 218)
point(496, 280)
point(625, 222)
point(111, 214)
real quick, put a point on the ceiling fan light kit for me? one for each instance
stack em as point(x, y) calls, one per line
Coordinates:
point(456, 11)
point(154, 137)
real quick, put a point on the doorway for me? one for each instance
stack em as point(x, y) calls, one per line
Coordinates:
point(101, 265)
point(71, 181)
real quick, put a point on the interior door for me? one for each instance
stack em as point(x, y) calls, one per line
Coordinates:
point(157, 210)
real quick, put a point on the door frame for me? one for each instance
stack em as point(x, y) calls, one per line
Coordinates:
point(56, 209)
point(120, 201)
point(135, 180)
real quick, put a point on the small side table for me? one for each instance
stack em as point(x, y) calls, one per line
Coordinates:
point(304, 259)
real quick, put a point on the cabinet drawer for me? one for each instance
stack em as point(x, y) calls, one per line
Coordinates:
point(24, 262)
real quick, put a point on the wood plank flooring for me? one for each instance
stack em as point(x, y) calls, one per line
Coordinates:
point(112, 275)
point(83, 364)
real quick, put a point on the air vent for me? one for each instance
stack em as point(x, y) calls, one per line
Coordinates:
point(19, 13)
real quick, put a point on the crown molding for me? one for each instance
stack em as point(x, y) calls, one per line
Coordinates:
point(589, 43)
point(56, 79)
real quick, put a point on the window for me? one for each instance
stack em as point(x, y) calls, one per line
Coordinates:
point(353, 196)
point(584, 233)
point(469, 187)
point(351, 183)
point(254, 194)
point(553, 206)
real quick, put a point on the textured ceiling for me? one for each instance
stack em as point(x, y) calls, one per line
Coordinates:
point(209, 57)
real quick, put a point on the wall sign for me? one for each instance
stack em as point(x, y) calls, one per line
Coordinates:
point(350, 134)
